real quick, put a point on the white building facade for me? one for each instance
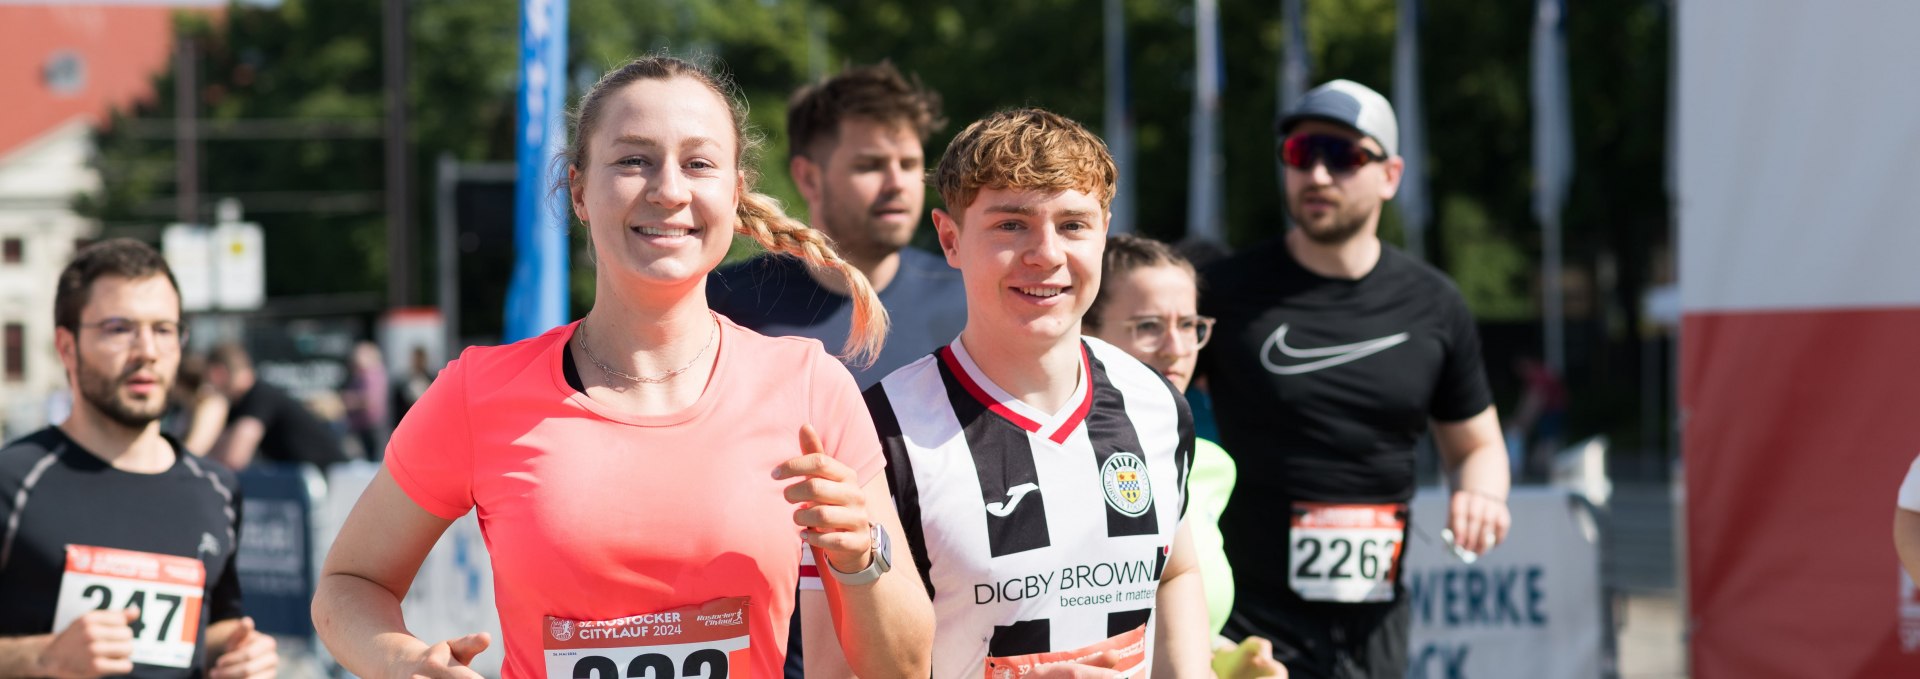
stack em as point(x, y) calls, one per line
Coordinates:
point(39, 232)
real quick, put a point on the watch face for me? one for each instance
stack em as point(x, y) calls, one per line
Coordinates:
point(882, 547)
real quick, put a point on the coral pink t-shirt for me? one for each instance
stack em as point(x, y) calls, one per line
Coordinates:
point(592, 514)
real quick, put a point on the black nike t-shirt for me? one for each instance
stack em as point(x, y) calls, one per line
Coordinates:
point(1322, 388)
point(53, 494)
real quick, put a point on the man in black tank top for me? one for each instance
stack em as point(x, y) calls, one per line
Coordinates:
point(1332, 355)
point(116, 545)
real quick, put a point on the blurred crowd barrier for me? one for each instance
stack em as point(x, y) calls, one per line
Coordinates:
point(1534, 608)
point(290, 515)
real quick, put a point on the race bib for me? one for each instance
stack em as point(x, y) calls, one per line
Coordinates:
point(1132, 645)
point(166, 588)
point(1345, 553)
point(707, 641)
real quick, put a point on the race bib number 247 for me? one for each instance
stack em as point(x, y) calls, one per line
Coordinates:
point(166, 589)
point(707, 641)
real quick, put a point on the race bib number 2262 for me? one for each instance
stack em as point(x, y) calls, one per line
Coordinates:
point(1345, 553)
point(167, 590)
point(707, 641)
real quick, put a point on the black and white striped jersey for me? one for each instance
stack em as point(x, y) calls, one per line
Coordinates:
point(1035, 533)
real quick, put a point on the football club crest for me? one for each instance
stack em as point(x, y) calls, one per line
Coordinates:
point(1124, 476)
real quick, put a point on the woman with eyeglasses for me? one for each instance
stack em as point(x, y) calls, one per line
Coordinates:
point(1148, 306)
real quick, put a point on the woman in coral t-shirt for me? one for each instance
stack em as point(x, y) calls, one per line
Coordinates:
point(641, 474)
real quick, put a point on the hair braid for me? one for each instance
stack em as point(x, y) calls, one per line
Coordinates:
point(762, 219)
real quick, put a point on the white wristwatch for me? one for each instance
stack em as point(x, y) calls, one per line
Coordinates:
point(882, 561)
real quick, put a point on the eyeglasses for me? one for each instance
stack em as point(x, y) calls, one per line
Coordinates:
point(120, 334)
point(1341, 155)
point(1150, 334)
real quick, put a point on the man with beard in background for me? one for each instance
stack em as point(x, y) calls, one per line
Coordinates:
point(116, 545)
point(855, 155)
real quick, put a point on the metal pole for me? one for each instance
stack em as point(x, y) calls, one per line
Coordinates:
point(816, 44)
point(1553, 167)
point(186, 145)
point(1555, 294)
point(1119, 119)
point(399, 204)
point(1412, 199)
point(1293, 73)
point(446, 244)
point(1203, 174)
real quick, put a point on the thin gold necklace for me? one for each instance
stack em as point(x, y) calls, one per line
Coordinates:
point(587, 347)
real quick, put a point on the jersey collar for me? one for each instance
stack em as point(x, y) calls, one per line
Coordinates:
point(1056, 427)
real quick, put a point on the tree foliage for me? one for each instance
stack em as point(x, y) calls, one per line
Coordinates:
point(321, 59)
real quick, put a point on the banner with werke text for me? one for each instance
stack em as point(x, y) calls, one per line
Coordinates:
point(1532, 608)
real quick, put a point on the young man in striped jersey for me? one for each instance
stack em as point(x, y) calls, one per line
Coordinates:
point(1041, 476)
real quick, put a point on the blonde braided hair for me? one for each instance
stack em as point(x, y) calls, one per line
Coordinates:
point(759, 216)
point(762, 219)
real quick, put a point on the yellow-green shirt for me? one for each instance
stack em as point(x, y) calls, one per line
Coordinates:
point(1208, 487)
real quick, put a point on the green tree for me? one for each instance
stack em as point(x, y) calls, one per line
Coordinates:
point(319, 197)
point(313, 60)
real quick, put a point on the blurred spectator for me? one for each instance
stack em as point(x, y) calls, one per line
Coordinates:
point(264, 420)
point(197, 412)
point(409, 390)
point(367, 399)
point(1539, 422)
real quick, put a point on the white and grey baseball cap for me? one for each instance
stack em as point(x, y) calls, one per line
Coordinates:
point(1351, 104)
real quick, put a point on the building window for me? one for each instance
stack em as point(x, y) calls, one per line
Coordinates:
point(16, 352)
point(65, 72)
point(12, 250)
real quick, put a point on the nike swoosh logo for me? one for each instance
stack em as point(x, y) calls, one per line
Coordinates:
point(1324, 357)
point(1014, 494)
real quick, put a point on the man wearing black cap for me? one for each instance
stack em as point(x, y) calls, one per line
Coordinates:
point(1332, 355)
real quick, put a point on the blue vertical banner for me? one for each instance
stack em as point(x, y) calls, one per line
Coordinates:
point(537, 297)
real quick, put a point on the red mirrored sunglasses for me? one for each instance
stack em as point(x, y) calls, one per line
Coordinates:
point(1340, 154)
